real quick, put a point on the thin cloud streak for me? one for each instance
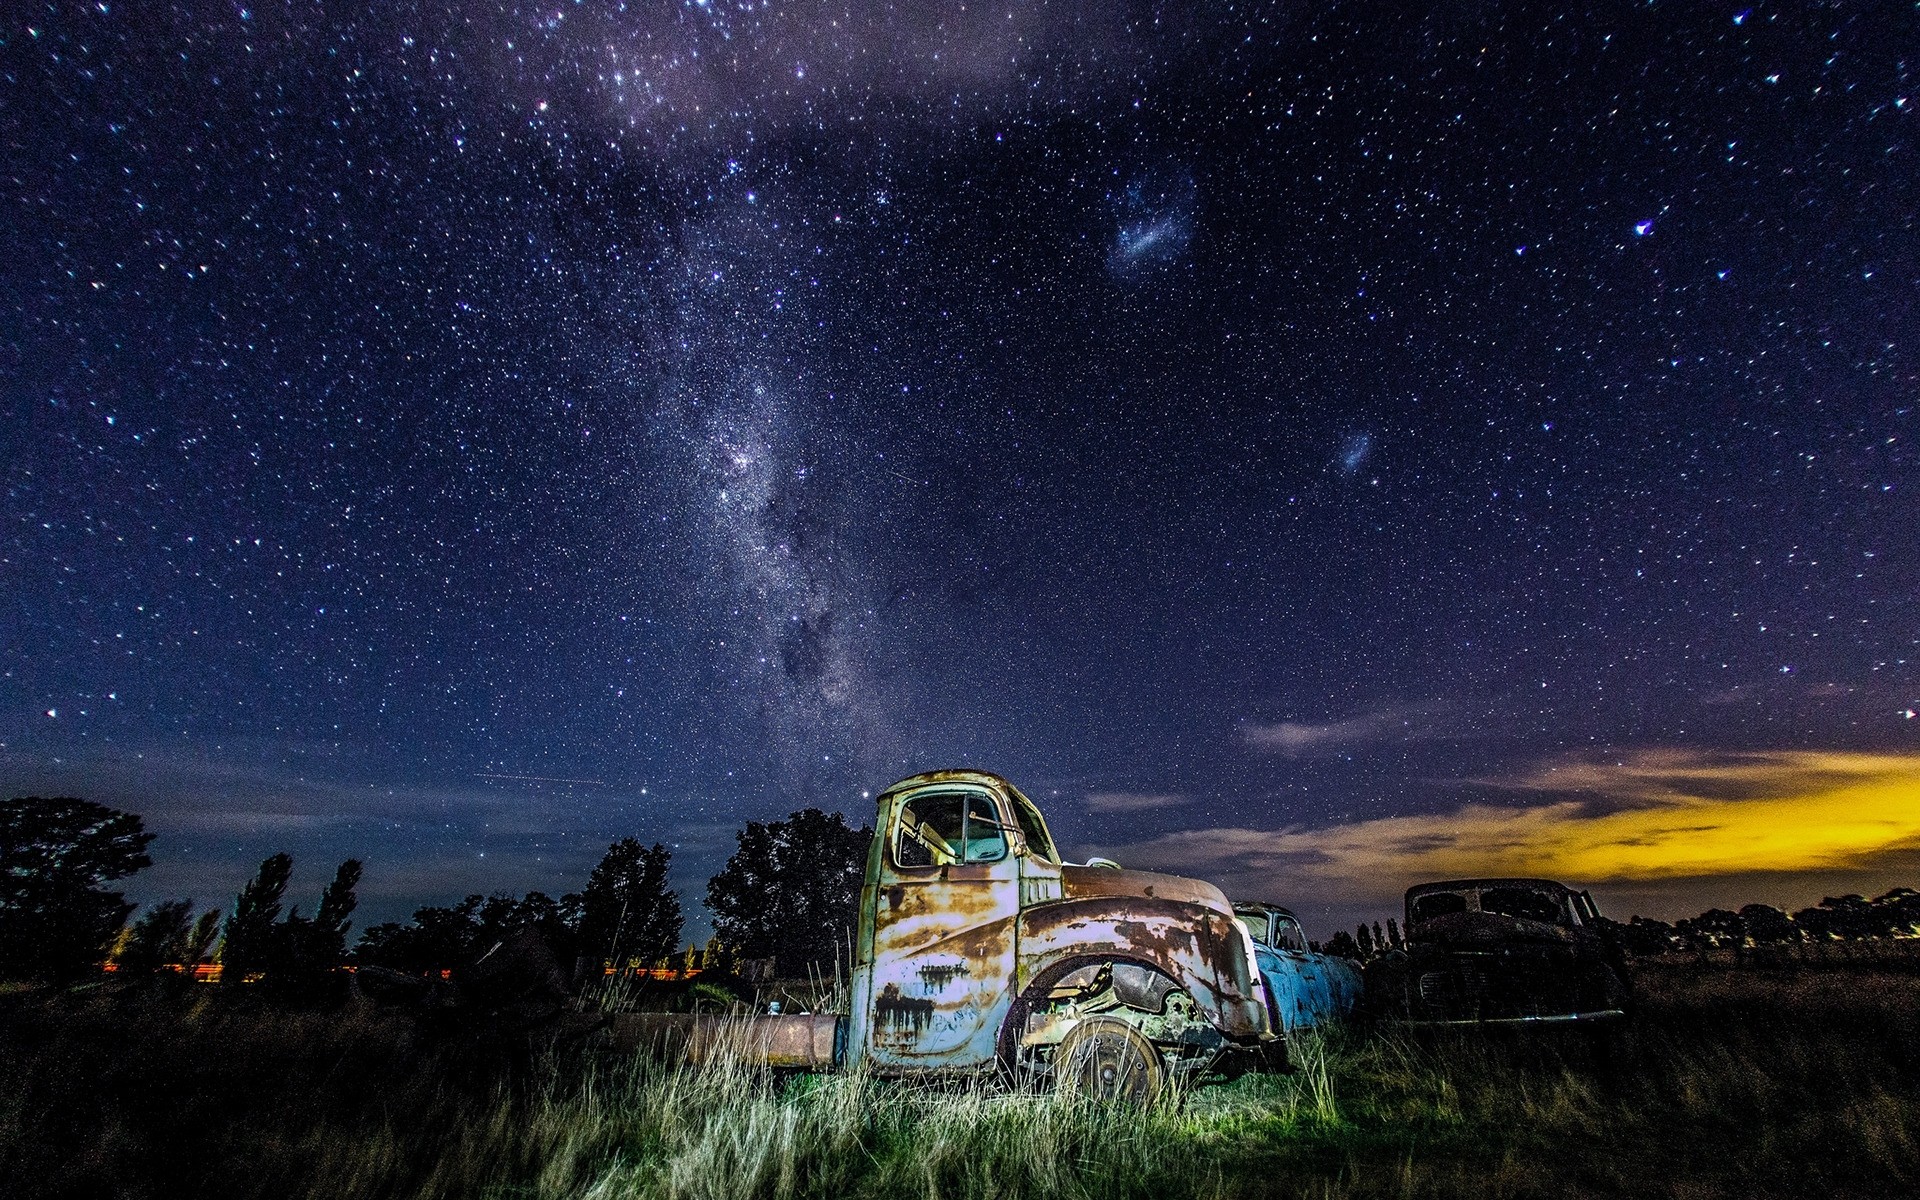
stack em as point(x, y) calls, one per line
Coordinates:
point(1121, 802)
point(1301, 739)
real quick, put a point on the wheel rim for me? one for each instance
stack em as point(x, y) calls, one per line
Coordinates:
point(1110, 1062)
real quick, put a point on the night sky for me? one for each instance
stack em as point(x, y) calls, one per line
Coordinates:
point(1315, 447)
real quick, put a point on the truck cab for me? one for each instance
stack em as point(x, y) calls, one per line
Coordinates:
point(978, 947)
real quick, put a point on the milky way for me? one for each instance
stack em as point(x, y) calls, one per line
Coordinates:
point(460, 440)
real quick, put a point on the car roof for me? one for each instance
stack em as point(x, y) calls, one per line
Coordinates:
point(1454, 885)
point(1282, 909)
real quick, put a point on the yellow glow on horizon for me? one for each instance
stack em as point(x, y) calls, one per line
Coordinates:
point(1656, 815)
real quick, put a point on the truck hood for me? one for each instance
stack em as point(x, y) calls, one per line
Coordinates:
point(1087, 883)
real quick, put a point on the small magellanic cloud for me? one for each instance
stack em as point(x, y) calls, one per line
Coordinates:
point(1354, 450)
point(1655, 815)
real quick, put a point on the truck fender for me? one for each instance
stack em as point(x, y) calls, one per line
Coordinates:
point(1034, 995)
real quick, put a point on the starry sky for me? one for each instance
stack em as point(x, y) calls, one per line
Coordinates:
point(1316, 447)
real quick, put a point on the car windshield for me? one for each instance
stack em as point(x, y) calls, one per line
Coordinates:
point(1527, 903)
point(1257, 922)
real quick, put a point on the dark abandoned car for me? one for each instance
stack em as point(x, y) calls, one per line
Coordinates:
point(1502, 951)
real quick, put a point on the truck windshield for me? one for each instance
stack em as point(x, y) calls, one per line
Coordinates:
point(1526, 903)
point(1039, 845)
point(1435, 904)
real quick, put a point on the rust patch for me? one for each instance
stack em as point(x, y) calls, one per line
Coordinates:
point(896, 1011)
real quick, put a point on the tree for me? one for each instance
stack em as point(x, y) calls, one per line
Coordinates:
point(1900, 909)
point(55, 855)
point(441, 939)
point(1342, 945)
point(248, 946)
point(627, 911)
point(300, 953)
point(200, 939)
point(1716, 929)
point(158, 938)
point(791, 892)
point(1852, 916)
point(327, 939)
point(1644, 937)
point(1767, 925)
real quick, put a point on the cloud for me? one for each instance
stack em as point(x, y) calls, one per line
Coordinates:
point(1120, 802)
point(1299, 739)
point(1652, 820)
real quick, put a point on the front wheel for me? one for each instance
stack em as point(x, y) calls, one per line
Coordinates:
point(1110, 1061)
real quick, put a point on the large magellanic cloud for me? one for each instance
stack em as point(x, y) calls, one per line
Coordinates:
point(1653, 817)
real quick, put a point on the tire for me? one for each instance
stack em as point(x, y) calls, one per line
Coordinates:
point(1111, 1062)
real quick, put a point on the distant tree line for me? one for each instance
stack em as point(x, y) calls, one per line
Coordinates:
point(1849, 918)
point(1896, 914)
point(1366, 941)
point(787, 897)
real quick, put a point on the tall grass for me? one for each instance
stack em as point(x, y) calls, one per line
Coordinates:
point(1730, 1083)
point(734, 1131)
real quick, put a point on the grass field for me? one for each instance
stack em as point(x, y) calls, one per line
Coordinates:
point(1731, 1082)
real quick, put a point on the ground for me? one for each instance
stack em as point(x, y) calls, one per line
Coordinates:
point(1770, 1079)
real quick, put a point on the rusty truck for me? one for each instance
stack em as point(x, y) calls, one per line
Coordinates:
point(980, 950)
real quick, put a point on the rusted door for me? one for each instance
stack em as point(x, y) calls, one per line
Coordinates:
point(944, 920)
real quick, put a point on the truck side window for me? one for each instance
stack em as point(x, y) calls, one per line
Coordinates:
point(930, 829)
point(986, 840)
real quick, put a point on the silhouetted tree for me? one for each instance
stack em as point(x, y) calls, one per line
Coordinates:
point(627, 911)
point(55, 917)
point(1852, 916)
point(1342, 945)
point(791, 891)
point(444, 938)
point(1394, 940)
point(1644, 937)
point(200, 939)
point(1767, 925)
point(158, 938)
point(1717, 928)
point(300, 953)
point(328, 938)
point(439, 939)
point(1363, 937)
point(248, 946)
point(1900, 911)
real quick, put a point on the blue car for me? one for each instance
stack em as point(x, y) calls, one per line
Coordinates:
point(1304, 988)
